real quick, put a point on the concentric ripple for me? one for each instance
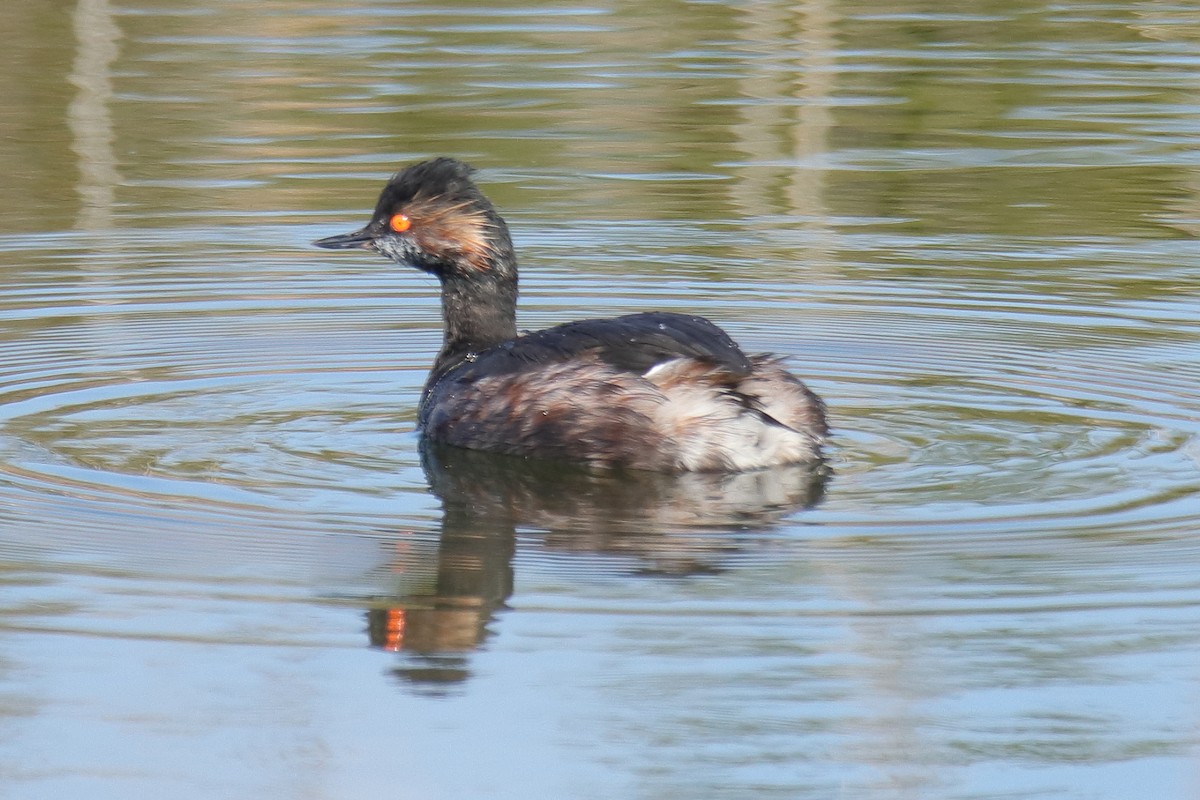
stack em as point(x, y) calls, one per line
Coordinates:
point(144, 386)
point(259, 385)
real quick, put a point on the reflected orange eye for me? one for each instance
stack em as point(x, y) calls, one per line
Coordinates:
point(400, 223)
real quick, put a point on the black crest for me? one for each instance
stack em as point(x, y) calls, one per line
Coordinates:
point(447, 179)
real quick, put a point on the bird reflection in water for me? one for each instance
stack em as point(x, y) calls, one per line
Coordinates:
point(663, 524)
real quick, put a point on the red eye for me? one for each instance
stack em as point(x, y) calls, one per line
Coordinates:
point(400, 223)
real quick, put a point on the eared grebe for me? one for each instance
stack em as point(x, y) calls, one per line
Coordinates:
point(654, 391)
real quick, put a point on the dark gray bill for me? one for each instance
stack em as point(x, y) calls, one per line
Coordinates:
point(344, 241)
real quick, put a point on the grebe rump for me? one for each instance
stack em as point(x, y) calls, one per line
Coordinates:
point(656, 391)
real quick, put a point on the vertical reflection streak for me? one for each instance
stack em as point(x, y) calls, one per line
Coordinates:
point(786, 124)
point(88, 115)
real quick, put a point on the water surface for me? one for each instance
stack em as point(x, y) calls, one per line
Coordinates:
point(230, 570)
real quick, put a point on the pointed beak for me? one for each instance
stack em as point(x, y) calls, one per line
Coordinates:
point(344, 241)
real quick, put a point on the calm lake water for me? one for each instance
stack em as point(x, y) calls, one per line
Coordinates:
point(228, 569)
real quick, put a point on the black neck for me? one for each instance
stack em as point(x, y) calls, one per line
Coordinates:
point(480, 311)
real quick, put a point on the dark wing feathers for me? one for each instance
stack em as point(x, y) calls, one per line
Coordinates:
point(634, 343)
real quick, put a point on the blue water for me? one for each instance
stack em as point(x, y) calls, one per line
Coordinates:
point(227, 571)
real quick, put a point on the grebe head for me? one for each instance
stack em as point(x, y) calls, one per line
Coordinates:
point(432, 216)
